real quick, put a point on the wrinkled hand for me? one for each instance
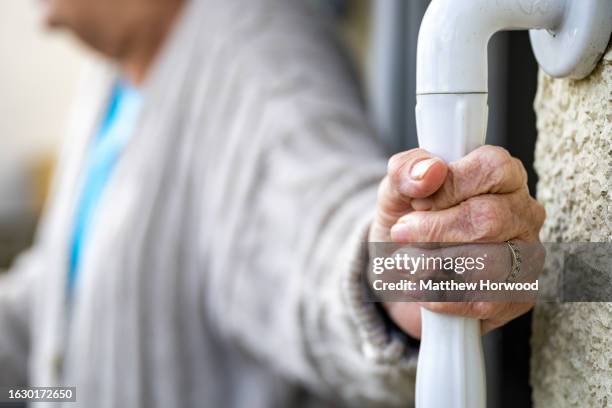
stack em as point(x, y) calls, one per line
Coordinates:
point(481, 198)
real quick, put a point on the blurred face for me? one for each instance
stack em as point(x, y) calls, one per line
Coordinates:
point(114, 27)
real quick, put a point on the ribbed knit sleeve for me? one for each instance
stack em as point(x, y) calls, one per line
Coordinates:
point(290, 180)
point(291, 255)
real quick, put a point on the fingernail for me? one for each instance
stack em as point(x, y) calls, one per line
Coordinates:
point(420, 169)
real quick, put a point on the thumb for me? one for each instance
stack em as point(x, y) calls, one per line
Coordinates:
point(412, 174)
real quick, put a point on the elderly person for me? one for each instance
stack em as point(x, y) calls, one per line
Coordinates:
point(209, 215)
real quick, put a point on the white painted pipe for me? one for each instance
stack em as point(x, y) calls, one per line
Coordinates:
point(451, 115)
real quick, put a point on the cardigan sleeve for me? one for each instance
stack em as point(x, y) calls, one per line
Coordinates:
point(289, 185)
point(291, 253)
point(16, 287)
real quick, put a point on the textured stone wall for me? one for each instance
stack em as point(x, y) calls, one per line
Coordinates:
point(572, 343)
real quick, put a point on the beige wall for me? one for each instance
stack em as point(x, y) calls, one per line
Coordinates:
point(37, 81)
point(572, 343)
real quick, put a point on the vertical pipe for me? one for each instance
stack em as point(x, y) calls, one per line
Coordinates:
point(451, 114)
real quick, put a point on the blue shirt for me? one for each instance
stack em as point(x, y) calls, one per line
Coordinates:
point(104, 152)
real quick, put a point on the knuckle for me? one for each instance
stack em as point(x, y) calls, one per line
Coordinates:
point(496, 156)
point(534, 216)
point(540, 214)
point(485, 219)
point(495, 164)
point(450, 191)
point(499, 155)
point(523, 172)
point(496, 177)
point(398, 160)
point(501, 169)
point(394, 167)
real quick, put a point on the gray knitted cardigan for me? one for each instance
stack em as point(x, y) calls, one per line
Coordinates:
point(225, 260)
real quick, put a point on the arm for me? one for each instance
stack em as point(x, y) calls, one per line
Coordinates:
point(289, 195)
point(288, 288)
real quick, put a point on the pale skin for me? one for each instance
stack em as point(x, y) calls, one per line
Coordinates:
point(422, 199)
point(130, 32)
point(480, 198)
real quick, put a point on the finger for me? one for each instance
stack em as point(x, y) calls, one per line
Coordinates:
point(486, 218)
point(415, 173)
point(488, 169)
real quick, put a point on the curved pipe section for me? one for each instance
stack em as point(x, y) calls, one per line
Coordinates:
point(452, 48)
